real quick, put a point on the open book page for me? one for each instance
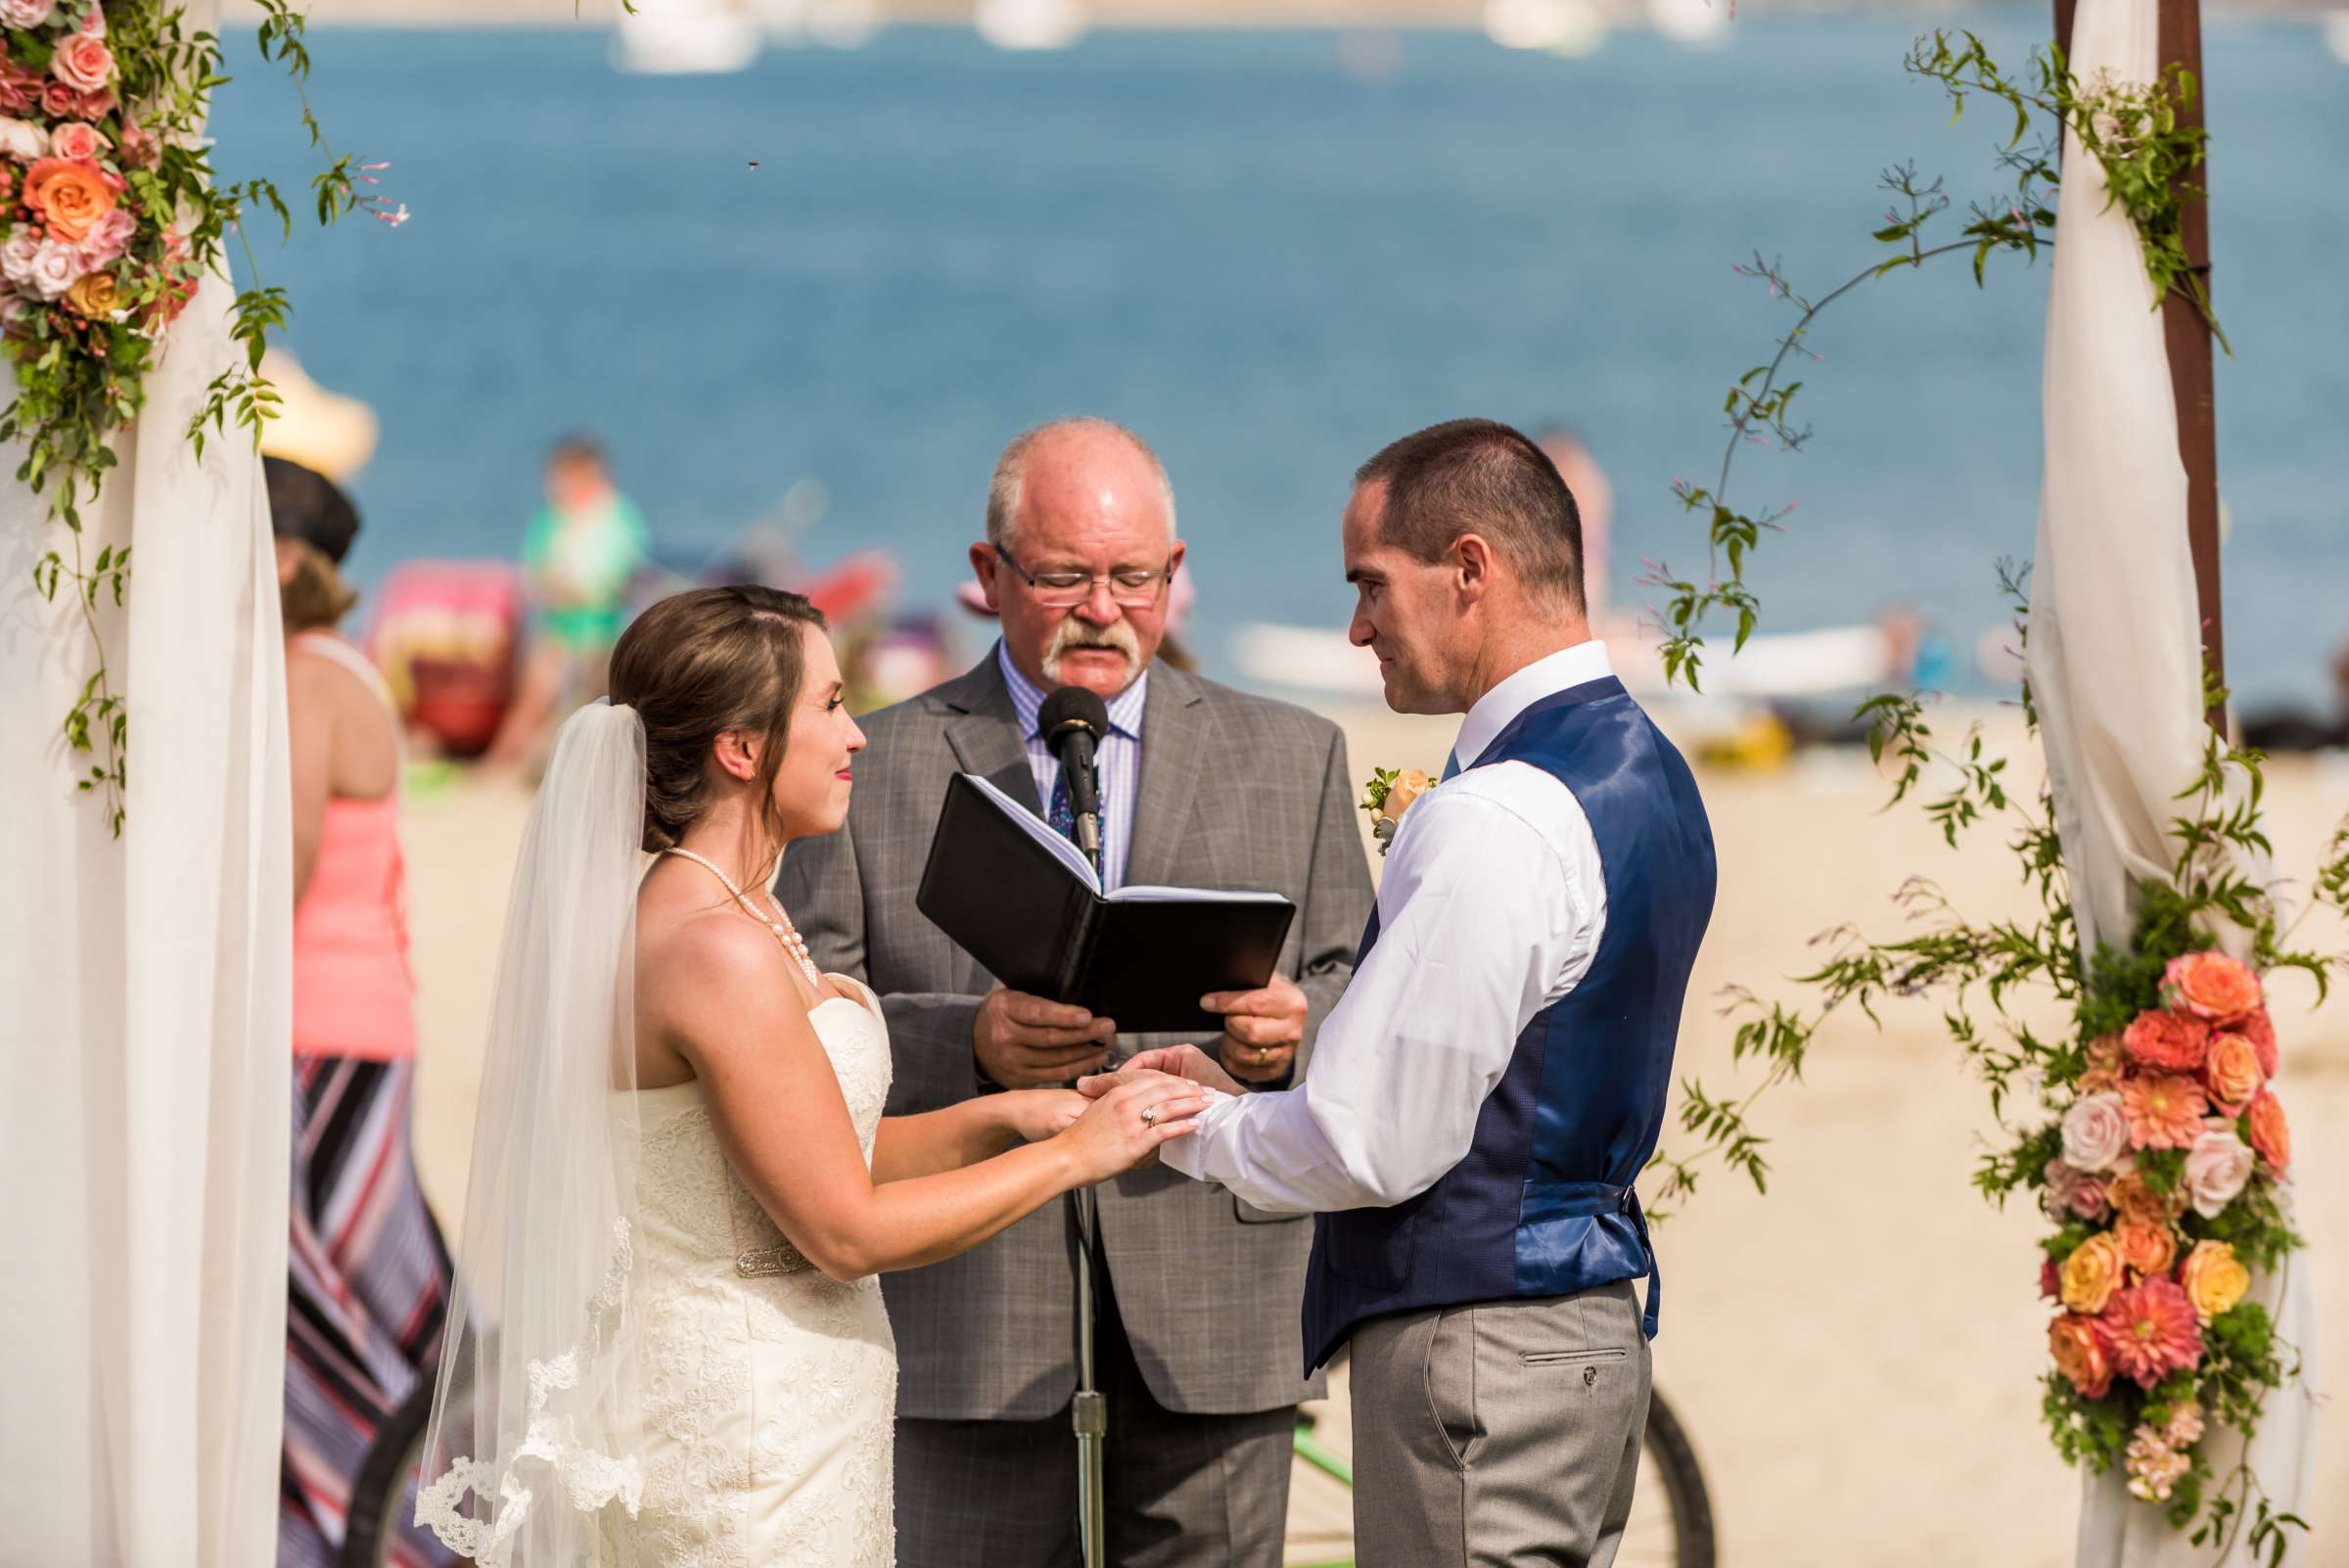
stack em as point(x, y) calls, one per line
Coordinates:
point(1037, 828)
point(1150, 894)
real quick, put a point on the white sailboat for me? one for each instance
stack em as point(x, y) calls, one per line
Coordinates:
point(687, 37)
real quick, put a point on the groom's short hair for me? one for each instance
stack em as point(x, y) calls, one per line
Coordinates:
point(1479, 476)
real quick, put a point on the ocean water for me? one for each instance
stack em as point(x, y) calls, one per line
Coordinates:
point(1270, 252)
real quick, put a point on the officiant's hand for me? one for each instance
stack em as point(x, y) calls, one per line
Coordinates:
point(1176, 1061)
point(1024, 1041)
point(1261, 1028)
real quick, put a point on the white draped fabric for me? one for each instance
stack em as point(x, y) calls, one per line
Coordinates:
point(147, 1112)
point(2116, 669)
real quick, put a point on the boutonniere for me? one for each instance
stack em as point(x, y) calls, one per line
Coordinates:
point(1388, 794)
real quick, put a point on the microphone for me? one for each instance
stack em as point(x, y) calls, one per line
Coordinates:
point(1074, 720)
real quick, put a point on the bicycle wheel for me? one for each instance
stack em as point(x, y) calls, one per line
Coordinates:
point(379, 1492)
point(1671, 1517)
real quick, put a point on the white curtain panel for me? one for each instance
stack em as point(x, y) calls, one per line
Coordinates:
point(147, 1111)
point(2116, 668)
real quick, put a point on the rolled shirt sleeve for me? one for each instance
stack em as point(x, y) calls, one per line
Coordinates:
point(1489, 911)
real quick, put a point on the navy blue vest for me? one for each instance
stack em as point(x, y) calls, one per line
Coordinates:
point(1543, 1203)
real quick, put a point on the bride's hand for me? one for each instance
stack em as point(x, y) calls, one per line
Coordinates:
point(1123, 1127)
point(1180, 1060)
point(1035, 1115)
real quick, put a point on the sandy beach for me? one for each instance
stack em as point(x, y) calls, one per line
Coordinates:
point(1857, 1354)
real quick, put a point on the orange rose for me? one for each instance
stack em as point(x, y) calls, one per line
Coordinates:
point(2260, 1030)
point(2231, 1073)
point(2211, 985)
point(2079, 1351)
point(2213, 1278)
point(2148, 1248)
point(2269, 1133)
point(94, 295)
point(2092, 1273)
point(71, 195)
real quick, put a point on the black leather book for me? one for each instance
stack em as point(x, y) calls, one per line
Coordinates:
point(1022, 899)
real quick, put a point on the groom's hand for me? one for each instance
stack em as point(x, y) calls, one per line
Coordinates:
point(1175, 1061)
point(1261, 1028)
point(1024, 1041)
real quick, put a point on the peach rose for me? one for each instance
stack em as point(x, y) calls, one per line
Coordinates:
point(2269, 1133)
point(2103, 1071)
point(1404, 791)
point(2092, 1273)
point(2148, 1249)
point(2213, 1278)
point(71, 197)
point(2129, 1194)
point(75, 139)
point(2210, 985)
point(2171, 1043)
point(2231, 1073)
point(94, 295)
point(2256, 1026)
point(83, 63)
point(2078, 1347)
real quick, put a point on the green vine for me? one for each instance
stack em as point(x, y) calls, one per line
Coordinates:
point(2134, 135)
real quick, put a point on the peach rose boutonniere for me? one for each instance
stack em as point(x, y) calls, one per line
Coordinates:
point(1387, 795)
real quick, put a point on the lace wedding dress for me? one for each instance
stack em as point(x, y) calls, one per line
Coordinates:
point(769, 1389)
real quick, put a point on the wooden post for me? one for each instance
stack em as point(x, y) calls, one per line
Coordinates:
point(2187, 336)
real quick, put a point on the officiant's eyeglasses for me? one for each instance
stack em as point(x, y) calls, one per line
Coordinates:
point(1131, 587)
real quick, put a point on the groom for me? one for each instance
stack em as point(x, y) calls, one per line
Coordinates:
point(1482, 1098)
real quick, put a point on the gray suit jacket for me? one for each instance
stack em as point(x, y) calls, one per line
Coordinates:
point(1237, 792)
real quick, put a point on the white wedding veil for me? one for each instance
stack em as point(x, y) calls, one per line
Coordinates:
point(534, 1419)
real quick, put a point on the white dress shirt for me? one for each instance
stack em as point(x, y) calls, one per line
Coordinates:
point(1492, 909)
point(1117, 761)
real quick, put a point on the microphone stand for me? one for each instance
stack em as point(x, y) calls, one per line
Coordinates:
point(1089, 1410)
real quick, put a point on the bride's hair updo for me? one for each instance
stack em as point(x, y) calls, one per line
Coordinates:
point(697, 665)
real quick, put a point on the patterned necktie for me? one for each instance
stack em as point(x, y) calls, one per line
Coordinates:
point(1063, 817)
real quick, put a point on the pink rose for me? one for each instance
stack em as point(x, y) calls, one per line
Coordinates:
point(15, 311)
point(139, 146)
point(83, 63)
point(2095, 1132)
point(17, 257)
point(60, 102)
point(110, 239)
point(55, 267)
point(2216, 1169)
point(94, 24)
point(75, 139)
point(26, 15)
point(2210, 985)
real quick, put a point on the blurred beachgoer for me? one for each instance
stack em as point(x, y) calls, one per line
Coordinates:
point(369, 1274)
point(584, 551)
point(2297, 729)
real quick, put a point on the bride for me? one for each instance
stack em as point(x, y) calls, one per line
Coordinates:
point(674, 1349)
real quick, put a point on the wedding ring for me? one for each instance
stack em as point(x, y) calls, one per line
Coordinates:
point(1149, 1116)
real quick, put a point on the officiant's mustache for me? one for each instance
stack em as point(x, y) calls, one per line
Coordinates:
point(1072, 634)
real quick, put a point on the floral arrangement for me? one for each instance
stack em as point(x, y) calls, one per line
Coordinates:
point(2155, 1141)
point(1388, 794)
point(108, 219)
point(2166, 1173)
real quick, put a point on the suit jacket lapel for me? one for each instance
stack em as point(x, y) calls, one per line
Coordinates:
point(1175, 725)
point(984, 733)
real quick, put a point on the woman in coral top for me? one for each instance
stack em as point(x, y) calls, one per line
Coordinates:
point(369, 1284)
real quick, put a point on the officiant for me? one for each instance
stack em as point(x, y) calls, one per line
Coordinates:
point(1197, 1340)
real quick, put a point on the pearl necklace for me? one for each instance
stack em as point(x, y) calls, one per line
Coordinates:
point(784, 931)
